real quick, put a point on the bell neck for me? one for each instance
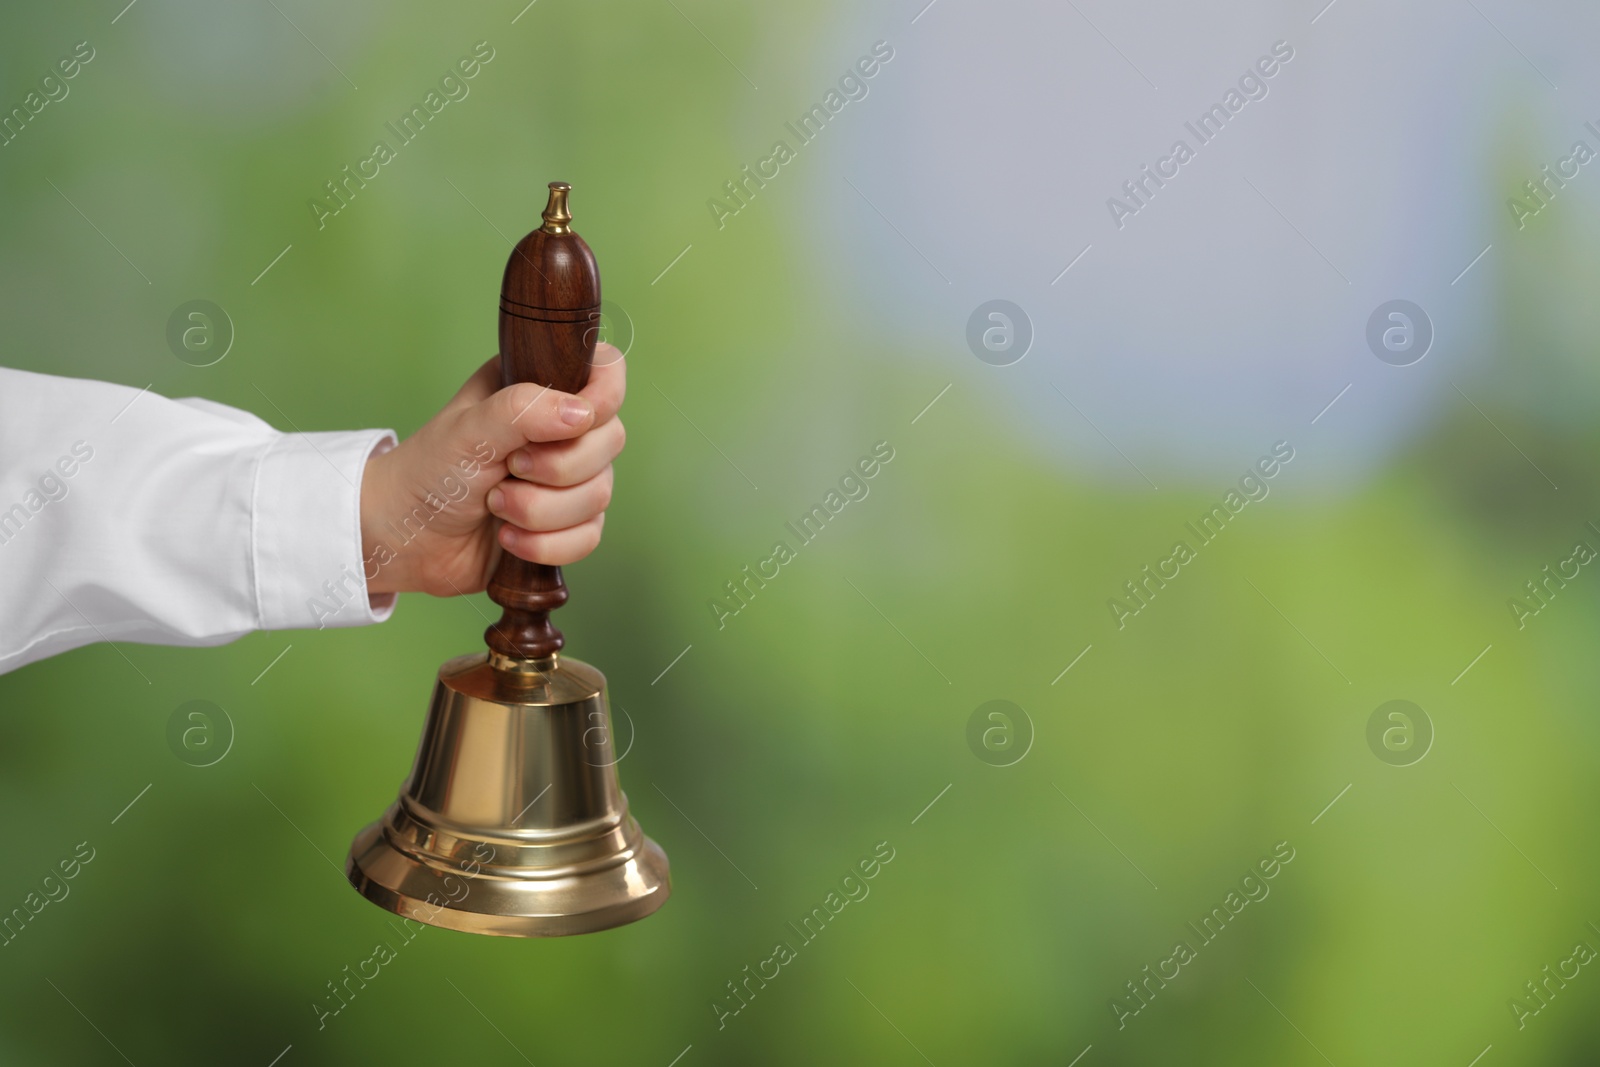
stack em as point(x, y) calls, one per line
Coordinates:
point(517, 666)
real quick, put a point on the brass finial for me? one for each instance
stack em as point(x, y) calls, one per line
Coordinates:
point(556, 215)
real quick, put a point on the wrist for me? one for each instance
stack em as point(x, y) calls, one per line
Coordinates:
point(380, 563)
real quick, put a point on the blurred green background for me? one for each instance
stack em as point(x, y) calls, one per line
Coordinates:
point(829, 714)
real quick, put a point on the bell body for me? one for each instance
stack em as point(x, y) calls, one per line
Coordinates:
point(512, 821)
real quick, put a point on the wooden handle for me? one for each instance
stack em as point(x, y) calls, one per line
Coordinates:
point(549, 323)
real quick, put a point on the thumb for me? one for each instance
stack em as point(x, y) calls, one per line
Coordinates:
point(523, 413)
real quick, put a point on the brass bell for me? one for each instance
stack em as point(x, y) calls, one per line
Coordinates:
point(512, 821)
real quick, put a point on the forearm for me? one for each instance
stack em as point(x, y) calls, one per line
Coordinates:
point(180, 522)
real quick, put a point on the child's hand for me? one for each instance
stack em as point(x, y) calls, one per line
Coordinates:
point(431, 508)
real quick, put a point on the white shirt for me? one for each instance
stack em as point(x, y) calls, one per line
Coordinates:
point(125, 516)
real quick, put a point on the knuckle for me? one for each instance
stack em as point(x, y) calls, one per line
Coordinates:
point(563, 472)
point(550, 404)
point(535, 549)
point(553, 551)
point(522, 509)
point(516, 399)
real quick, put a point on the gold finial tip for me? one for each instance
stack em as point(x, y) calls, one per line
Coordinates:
point(556, 213)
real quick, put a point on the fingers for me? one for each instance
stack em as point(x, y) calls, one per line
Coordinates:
point(516, 415)
point(555, 548)
point(541, 509)
point(566, 463)
point(510, 419)
point(545, 415)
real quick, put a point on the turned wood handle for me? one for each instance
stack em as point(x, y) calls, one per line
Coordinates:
point(549, 323)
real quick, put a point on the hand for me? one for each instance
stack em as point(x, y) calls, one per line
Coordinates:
point(437, 510)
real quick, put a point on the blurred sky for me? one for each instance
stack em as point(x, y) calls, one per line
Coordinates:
point(1206, 327)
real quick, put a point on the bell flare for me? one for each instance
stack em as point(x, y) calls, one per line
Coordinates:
point(512, 821)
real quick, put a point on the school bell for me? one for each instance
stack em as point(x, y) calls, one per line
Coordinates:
point(512, 821)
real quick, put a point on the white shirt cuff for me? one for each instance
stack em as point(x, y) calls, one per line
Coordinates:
point(306, 532)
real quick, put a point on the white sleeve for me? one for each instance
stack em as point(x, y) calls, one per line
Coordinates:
point(126, 516)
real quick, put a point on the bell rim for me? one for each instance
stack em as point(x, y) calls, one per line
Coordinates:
point(618, 908)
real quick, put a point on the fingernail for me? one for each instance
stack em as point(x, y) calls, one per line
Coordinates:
point(497, 499)
point(520, 464)
point(574, 410)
